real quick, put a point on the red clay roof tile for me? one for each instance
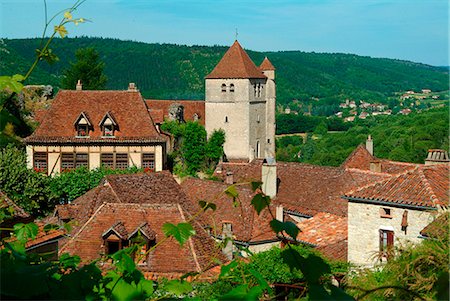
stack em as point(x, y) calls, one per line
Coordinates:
point(266, 65)
point(235, 64)
point(247, 226)
point(159, 109)
point(305, 187)
point(128, 108)
point(150, 199)
point(425, 186)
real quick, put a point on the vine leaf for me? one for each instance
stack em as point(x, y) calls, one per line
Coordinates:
point(289, 227)
point(68, 261)
point(25, 232)
point(50, 227)
point(180, 232)
point(260, 202)
point(206, 205)
point(12, 83)
point(256, 185)
point(61, 30)
point(225, 269)
point(178, 287)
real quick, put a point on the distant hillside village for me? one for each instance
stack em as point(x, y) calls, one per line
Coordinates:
point(348, 213)
point(402, 103)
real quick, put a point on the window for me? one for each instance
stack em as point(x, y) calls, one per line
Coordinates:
point(268, 140)
point(148, 162)
point(386, 243)
point(67, 161)
point(82, 125)
point(224, 88)
point(226, 119)
point(40, 162)
point(71, 161)
point(385, 212)
point(83, 130)
point(255, 89)
point(108, 125)
point(107, 160)
point(232, 88)
point(121, 161)
point(108, 130)
point(115, 161)
point(258, 119)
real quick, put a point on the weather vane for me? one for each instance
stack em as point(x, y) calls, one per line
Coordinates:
point(236, 34)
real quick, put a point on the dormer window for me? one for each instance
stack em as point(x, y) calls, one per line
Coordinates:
point(232, 88)
point(108, 125)
point(83, 125)
point(224, 88)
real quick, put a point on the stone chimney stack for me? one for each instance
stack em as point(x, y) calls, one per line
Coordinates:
point(269, 177)
point(227, 232)
point(229, 179)
point(79, 86)
point(280, 213)
point(437, 156)
point(369, 145)
point(132, 87)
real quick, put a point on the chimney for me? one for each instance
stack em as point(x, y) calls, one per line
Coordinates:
point(132, 87)
point(280, 213)
point(369, 145)
point(79, 86)
point(375, 166)
point(229, 178)
point(437, 156)
point(227, 236)
point(269, 177)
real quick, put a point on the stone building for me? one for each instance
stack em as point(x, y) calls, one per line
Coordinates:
point(240, 99)
point(393, 212)
point(95, 128)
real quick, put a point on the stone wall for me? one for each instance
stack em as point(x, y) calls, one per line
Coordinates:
point(365, 222)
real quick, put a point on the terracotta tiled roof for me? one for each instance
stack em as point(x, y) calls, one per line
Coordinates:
point(305, 187)
point(247, 226)
point(43, 237)
point(6, 202)
point(439, 228)
point(323, 229)
point(235, 64)
point(336, 251)
point(191, 107)
point(128, 108)
point(266, 65)
point(117, 228)
point(360, 158)
point(425, 186)
point(140, 202)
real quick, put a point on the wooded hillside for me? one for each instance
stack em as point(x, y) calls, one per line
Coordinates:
point(177, 72)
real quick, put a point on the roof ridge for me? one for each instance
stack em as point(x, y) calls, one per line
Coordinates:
point(394, 177)
point(191, 243)
point(82, 228)
point(428, 187)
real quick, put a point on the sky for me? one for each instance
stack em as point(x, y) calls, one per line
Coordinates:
point(414, 30)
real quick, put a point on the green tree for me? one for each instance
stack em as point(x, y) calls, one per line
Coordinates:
point(214, 147)
point(193, 148)
point(29, 189)
point(88, 68)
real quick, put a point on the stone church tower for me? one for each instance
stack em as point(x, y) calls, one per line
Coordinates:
point(240, 99)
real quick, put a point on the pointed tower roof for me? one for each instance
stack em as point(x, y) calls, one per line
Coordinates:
point(236, 64)
point(266, 65)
